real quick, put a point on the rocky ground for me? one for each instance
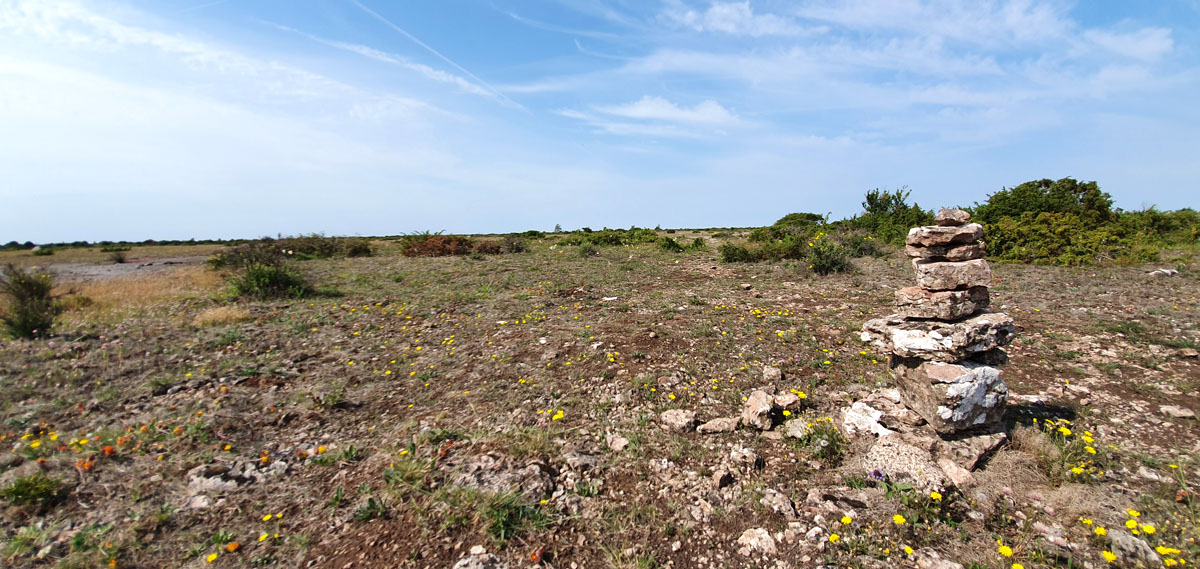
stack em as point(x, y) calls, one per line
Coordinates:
point(632, 409)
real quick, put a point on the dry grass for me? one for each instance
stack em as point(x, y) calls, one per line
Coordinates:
point(95, 255)
point(221, 315)
point(116, 298)
point(1037, 444)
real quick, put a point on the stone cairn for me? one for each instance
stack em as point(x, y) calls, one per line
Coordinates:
point(943, 342)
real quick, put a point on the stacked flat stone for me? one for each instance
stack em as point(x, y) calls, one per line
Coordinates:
point(943, 342)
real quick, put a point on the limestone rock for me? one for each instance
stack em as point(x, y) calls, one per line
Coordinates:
point(1176, 412)
point(904, 463)
point(940, 341)
point(796, 429)
point(497, 474)
point(677, 420)
point(927, 558)
point(1131, 551)
point(771, 375)
point(951, 217)
point(756, 540)
point(719, 425)
point(788, 401)
point(948, 252)
point(756, 412)
point(862, 419)
point(952, 397)
point(951, 275)
point(969, 451)
point(617, 443)
point(942, 235)
point(480, 559)
point(959, 476)
point(779, 503)
point(916, 302)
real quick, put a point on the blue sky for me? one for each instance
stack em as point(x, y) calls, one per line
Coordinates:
point(202, 118)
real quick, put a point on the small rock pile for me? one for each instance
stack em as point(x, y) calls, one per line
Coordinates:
point(943, 343)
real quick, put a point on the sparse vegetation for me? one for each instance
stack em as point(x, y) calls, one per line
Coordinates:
point(30, 310)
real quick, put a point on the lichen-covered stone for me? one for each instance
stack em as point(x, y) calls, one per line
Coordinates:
point(937, 235)
point(904, 463)
point(939, 341)
point(916, 302)
point(946, 275)
point(952, 397)
point(951, 217)
point(949, 252)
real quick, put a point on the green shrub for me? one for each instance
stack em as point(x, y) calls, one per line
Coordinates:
point(888, 216)
point(42, 252)
point(698, 244)
point(827, 256)
point(515, 243)
point(35, 489)
point(117, 257)
point(263, 281)
point(31, 308)
point(356, 247)
point(587, 249)
point(861, 245)
point(669, 245)
point(1067, 239)
point(260, 252)
point(734, 253)
point(1084, 200)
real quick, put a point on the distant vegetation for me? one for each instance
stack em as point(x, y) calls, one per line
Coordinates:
point(1059, 222)
point(1066, 222)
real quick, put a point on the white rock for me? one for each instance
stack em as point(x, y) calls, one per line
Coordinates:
point(862, 419)
point(756, 540)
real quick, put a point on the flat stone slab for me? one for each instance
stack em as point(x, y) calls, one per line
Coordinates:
point(905, 463)
point(952, 275)
point(966, 252)
point(952, 397)
point(943, 235)
point(940, 341)
point(951, 217)
point(916, 302)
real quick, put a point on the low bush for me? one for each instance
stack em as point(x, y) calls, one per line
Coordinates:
point(36, 489)
point(264, 281)
point(735, 253)
point(669, 245)
point(42, 252)
point(31, 307)
point(490, 247)
point(827, 256)
point(516, 243)
point(261, 252)
point(427, 244)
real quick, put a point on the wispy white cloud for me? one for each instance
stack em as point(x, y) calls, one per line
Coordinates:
point(733, 18)
point(435, 52)
point(1148, 44)
point(706, 112)
point(983, 22)
point(393, 59)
